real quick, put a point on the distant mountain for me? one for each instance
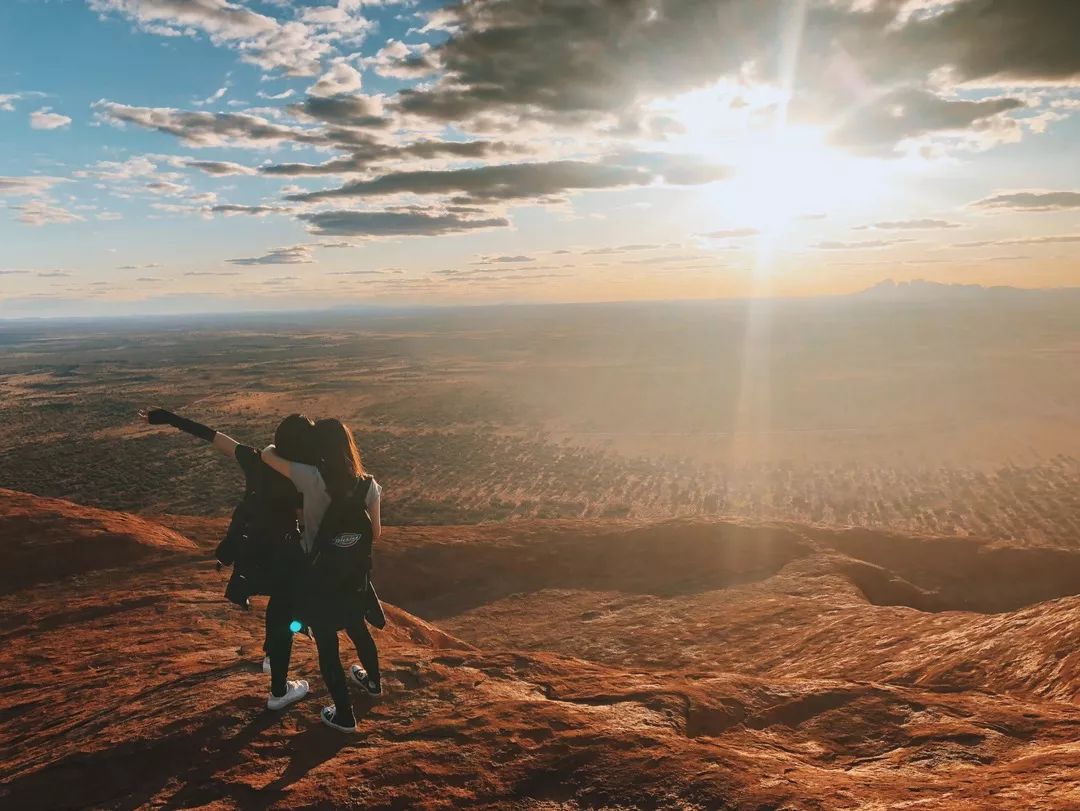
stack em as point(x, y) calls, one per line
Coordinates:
point(923, 290)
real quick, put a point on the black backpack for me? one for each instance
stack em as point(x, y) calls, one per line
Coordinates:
point(341, 553)
point(337, 587)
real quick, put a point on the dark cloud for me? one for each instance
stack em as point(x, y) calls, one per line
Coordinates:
point(498, 182)
point(292, 255)
point(576, 58)
point(342, 110)
point(394, 223)
point(909, 113)
point(1025, 40)
point(374, 153)
point(1031, 201)
point(229, 209)
point(205, 129)
point(491, 183)
point(492, 260)
point(220, 167)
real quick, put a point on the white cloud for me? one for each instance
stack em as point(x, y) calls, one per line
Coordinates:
point(30, 185)
point(43, 212)
point(340, 79)
point(260, 39)
point(44, 119)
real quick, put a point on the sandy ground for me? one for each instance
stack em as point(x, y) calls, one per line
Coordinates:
point(558, 665)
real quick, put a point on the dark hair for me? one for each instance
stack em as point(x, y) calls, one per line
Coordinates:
point(295, 439)
point(339, 459)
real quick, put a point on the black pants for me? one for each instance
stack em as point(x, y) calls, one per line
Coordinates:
point(330, 663)
point(279, 613)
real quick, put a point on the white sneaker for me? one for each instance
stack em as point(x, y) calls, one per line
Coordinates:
point(296, 691)
point(327, 716)
point(266, 665)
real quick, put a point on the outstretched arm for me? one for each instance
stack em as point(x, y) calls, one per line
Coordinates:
point(279, 463)
point(159, 416)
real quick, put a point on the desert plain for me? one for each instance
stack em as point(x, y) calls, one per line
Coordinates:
point(795, 554)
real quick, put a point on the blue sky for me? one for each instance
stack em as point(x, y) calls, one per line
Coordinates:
point(193, 155)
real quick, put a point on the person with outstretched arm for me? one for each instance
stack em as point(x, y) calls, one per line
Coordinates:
point(277, 501)
point(338, 478)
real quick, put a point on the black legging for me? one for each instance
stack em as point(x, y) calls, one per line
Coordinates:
point(279, 614)
point(330, 663)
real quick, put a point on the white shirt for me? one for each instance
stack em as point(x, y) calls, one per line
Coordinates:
point(309, 481)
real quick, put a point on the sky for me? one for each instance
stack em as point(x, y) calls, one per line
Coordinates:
point(164, 156)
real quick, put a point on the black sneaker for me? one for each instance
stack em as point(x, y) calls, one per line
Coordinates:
point(360, 677)
point(329, 717)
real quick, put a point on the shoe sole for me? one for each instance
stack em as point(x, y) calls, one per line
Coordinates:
point(332, 725)
point(287, 703)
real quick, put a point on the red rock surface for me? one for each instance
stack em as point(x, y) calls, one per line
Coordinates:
point(607, 665)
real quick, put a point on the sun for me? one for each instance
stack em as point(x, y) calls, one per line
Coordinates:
point(781, 172)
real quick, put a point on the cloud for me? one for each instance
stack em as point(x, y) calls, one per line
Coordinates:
point(375, 153)
point(259, 39)
point(29, 185)
point(292, 255)
point(284, 94)
point(394, 223)
point(205, 129)
point(221, 167)
point(340, 79)
point(212, 273)
point(400, 61)
point(620, 249)
point(831, 245)
point(492, 260)
point(53, 274)
point(731, 233)
point(910, 225)
point(355, 110)
point(43, 212)
point(43, 119)
point(166, 188)
point(1043, 240)
point(1031, 201)
point(909, 113)
point(571, 61)
point(217, 95)
point(232, 209)
point(993, 40)
point(7, 100)
point(499, 182)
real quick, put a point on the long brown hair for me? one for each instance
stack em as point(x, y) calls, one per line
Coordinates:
point(339, 458)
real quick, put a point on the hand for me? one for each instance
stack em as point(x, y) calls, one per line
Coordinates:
point(156, 416)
